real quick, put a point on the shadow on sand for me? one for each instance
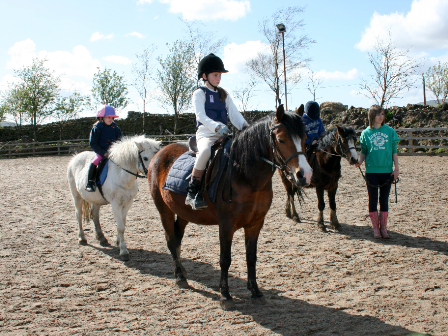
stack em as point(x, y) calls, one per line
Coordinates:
point(283, 315)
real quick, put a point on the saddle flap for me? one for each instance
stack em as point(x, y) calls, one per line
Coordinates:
point(214, 164)
point(192, 144)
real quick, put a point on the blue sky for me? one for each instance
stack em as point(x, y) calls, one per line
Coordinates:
point(78, 36)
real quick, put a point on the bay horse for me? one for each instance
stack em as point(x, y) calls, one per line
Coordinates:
point(127, 158)
point(274, 141)
point(335, 143)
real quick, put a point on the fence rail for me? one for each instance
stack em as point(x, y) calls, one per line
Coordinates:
point(413, 145)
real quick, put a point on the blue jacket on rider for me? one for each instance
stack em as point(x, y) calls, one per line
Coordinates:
point(102, 136)
point(314, 126)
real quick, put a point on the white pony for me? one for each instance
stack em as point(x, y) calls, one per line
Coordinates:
point(128, 158)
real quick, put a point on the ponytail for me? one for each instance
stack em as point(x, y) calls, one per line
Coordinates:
point(222, 93)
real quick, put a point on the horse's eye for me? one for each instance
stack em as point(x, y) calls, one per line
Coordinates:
point(281, 141)
point(145, 159)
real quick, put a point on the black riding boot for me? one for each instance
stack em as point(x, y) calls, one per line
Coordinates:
point(91, 178)
point(194, 197)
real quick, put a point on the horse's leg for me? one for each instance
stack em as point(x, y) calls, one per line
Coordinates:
point(79, 216)
point(96, 220)
point(333, 218)
point(295, 215)
point(251, 239)
point(321, 206)
point(120, 212)
point(225, 238)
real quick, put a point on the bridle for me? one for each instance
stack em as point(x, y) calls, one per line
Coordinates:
point(339, 149)
point(279, 160)
point(145, 171)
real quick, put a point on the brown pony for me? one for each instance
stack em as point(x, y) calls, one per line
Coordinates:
point(333, 144)
point(275, 141)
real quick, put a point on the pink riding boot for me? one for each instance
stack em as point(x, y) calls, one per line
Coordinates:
point(375, 224)
point(383, 224)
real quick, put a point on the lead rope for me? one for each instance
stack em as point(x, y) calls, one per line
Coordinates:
point(385, 183)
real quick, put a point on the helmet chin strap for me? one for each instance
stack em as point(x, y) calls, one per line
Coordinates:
point(206, 80)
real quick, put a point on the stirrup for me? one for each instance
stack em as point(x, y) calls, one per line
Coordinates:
point(90, 187)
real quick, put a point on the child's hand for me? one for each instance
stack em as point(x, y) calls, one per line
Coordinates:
point(357, 164)
point(222, 130)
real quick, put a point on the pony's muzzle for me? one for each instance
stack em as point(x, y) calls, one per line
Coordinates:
point(300, 179)
point(353, 160)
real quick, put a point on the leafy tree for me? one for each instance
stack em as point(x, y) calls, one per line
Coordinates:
point(36, 92)
point(109, 88)
point(394, 71)
point(10, 106)
point(269, 67)
point(142, 75)
point(68, 108)
point(174, 79)
point(436, 80)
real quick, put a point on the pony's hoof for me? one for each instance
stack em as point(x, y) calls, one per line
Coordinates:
point(227, 304)
point(182, 283)
point(104, 243)
point(323, 228)
point(82, 242)
point(296, 219)
point(337, 227)
point(258, 300)
point(125, 257)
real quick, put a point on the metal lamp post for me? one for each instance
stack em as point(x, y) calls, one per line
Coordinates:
point(282, 29)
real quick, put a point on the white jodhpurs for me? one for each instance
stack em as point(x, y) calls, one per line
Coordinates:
point(204, 151)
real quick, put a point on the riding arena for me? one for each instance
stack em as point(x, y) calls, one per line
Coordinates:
point(314, 282)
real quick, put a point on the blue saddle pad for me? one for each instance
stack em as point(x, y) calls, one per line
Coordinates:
point(179, 175)
point(103, 174)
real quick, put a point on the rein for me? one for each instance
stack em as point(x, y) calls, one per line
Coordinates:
point(137, 175)
point(384, 184)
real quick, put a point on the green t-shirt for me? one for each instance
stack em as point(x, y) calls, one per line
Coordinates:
point(379, 145)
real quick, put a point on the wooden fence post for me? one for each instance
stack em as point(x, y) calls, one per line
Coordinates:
point(411, 142)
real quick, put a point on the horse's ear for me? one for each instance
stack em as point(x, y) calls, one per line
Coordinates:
point(139, 145)
point(300, 110)
point(341, 130)
point(280, 113)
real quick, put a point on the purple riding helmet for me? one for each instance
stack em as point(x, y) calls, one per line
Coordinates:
point(106, 111)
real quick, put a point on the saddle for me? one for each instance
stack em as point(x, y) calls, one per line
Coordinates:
point(214, 163)
point(180, 172)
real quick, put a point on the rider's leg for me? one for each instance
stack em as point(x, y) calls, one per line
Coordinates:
point(92, 173)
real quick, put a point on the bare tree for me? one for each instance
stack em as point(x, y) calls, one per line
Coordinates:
point(243, 94)
point(202, 42)
point(314, 83)
point(394, 71)
point(142, 75)
point(269, 66)
point(436, 80)
point(175, 79)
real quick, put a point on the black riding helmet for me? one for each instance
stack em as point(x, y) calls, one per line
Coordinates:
point(210, 63)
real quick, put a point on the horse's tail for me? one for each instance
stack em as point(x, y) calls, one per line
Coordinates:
point(87, 211)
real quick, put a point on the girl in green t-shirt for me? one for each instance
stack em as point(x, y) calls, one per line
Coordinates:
point(379, 152)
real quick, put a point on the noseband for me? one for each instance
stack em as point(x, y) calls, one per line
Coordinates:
point(339, 147)
point(281, 162)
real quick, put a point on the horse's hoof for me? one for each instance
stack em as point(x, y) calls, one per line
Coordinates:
point(337, 227)
point(227, 304)
point(258, 300)
point(125, 257)
point(296, 219)
point(323, 228)
point(104, 243)
point(82, 242)
point(182, 283)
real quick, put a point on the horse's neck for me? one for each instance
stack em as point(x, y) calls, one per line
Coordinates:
point(125, 178)
point(330, 164)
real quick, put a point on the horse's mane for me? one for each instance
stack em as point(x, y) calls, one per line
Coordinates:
point(124, 152)
point(251, 145)
point(326, 139)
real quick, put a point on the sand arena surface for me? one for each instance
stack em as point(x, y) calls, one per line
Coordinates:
point(316, 283)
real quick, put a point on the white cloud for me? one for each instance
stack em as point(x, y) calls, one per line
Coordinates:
point(98, 36)
point(136, 34)
point(117, 59)
point(207, 10)
point(338, 75)
point(236, 55)
point(424, 27)
point(75, 68)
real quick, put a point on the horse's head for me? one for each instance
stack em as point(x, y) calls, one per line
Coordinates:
point(345, 143)
point(147, 148)
point(288, 134)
